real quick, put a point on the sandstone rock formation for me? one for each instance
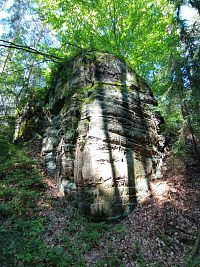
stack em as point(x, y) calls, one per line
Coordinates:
point(102, 139)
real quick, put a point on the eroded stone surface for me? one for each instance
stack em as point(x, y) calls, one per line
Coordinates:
point(102, 143)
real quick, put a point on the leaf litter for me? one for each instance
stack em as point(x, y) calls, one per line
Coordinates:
point(160, 231)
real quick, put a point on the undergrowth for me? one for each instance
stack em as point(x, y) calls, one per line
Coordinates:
point(21, 226)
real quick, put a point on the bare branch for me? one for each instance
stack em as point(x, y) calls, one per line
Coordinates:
point(27, 49)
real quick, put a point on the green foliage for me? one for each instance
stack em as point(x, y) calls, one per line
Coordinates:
point(91, 236)
point(6, 134)
point(109, 261)
point(135, 30)
point(21, 72)
point(120, 228)
point(149, 36)
point(192, 262)
point(21, 226)
point(177, 84)
point(20, 180)
point(20, 189)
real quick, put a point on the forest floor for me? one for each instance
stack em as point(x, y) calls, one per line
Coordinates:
point(39, 227)
point(163, 227)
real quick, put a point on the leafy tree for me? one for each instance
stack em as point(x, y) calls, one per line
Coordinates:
point(139, 31)
point(21, 72)
point(178, 84)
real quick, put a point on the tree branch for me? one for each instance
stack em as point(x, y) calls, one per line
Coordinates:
point(27, 49)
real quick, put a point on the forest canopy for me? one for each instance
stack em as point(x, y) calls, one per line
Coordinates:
point(151, 36)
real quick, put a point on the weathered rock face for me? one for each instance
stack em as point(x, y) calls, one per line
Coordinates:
point(102, 143)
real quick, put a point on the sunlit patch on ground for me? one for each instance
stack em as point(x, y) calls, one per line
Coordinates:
point(160, 191)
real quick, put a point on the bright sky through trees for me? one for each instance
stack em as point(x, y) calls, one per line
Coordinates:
point(188, 13)
point(4, 14)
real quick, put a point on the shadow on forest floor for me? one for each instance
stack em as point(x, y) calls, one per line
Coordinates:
point(48, 231)
point(160, 231)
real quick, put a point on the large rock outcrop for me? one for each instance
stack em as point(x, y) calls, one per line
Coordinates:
point(102, 139)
